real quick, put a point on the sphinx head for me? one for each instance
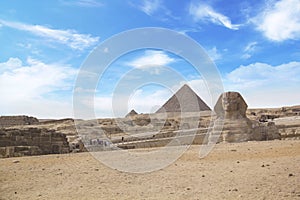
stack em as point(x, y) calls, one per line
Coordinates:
point(231, 105)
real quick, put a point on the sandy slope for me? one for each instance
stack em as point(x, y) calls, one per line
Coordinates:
point(252, 170)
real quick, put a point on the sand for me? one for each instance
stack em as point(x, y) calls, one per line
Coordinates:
point(251, 170)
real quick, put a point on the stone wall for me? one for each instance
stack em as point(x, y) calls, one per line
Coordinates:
point(32, 141)
point(289, 132)
point(7, 121)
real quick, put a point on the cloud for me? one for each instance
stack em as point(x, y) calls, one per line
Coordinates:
point(203, 12)
point(186, 31)
point(100, 106)
point(145, 102)
point(151, 59)
point(36, 88)
point(11, 64)
point(280, 21)
point(149, 6)
point(155, 8)
point(262, 72)
point(214, 54)
point(246, 56)
point(265, 85)
point(249, 49)
point(68, 37)
point(84, 3)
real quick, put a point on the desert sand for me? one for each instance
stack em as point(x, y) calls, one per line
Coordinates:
point(249, 170)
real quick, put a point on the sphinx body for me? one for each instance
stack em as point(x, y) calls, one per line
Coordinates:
point(232, 124)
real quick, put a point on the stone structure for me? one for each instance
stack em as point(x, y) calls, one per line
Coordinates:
point(131, 113)
point(232, 125)
point(7, 121)
point(31, 141)
point(184, 100)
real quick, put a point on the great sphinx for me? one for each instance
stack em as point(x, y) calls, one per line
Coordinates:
point(234, 126)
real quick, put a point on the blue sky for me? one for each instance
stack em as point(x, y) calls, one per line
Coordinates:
point(254, 44)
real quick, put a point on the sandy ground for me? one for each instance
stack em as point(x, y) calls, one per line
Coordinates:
point(252, 170)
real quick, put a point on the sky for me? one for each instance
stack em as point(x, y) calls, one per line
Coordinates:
point(255, 46)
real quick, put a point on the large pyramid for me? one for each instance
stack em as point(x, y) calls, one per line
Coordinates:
point(189, 100)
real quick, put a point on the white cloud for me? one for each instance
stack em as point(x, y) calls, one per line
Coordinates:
point(142, 101)
point(29, 88)
point(11, 64)
point(148, 103)
point(265, 72)
point(246, 56)
point(101, 105)
point(67, 37)
point(151, 59)
point(204, 12)
point(264, 85)
point(249, 49)
point(280, 21)
point(149, 6)
point(155, 8)
point(214, 54)
point(84, 3)
point(186, 31)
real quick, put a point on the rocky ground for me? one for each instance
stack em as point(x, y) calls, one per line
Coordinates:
point(250, 170)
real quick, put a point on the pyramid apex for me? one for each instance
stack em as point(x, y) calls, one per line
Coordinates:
point(186, 86)
point(190, 101)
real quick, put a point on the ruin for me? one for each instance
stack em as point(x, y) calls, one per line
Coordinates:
point(7, 121)
point(233, 122)
point(32, 141)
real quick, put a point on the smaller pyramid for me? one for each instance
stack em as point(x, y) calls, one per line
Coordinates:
point(131, 113)
point(184, 100)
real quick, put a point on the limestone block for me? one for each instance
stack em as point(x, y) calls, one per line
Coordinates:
point(32, 141)
point(7, 121)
